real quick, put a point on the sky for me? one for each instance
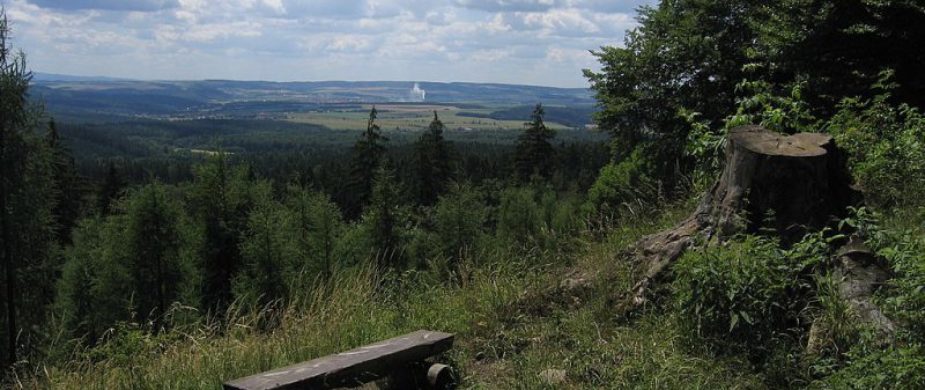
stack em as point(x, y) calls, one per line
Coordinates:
point(536, 42)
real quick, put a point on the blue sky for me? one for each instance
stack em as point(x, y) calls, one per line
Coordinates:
point(540, 42)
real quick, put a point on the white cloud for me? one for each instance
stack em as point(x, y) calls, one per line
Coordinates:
point(523, 41)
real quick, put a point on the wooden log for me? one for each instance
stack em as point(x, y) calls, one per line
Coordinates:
point(351, 368)
point(859, 273)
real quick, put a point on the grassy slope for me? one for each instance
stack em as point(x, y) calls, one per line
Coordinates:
point(512, 321)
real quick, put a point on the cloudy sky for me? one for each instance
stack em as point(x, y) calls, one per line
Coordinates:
point(540, 42)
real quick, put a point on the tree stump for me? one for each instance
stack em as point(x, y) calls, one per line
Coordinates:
point(788, 183)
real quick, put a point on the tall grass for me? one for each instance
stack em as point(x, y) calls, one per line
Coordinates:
point(512, 319)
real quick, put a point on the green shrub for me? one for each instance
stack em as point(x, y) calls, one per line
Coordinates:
point(460, 219)
point(623, 186)
point(744, 296)
point(519, 216)
point(891, 368)
point(886, 149)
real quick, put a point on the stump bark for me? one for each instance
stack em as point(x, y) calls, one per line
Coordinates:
point(788, 183)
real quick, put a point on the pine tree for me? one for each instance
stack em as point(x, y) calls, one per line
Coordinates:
point(110, 191)
point(25, 203)
point(267, 252)
point(221, 201)
point(152, 236)
point(95, 287)
point(367, 156)
point(67, 185)
point(431, 163)
point(534, 154)
point(383, 219)
point(318, 224)
point(460, 219)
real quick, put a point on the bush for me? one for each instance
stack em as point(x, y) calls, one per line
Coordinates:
point(886, 149)
point(519, 217)
point(460, 220)
point(892, 368)
point(745, 296)
point(623, 186)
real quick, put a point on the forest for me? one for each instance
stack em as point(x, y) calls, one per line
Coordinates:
point(133, 255)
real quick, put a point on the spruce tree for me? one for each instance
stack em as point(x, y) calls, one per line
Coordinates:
point(67, 185)
point(95, 288)
point(267, 252)
point(534, 154)
point(25, 203)
point(367, 156)
point(431, 163)
point(152, 236)
point(383, 219)
point(110, 190)
point(221, 201)
point(318, 224)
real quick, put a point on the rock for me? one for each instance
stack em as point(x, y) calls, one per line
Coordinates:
point(553, 376)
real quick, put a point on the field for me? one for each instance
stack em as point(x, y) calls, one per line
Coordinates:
point(410, 117)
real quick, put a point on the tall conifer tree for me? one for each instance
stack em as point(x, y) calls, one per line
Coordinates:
point(534, 154)
point(431, 163)
point(367, 156)
point(25, 202)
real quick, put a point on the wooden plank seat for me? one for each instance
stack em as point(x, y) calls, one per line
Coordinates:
point(401, 359)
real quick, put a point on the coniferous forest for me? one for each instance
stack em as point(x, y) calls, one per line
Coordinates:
point(133, 257)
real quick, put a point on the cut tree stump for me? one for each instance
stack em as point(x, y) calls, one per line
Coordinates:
point(790, 183)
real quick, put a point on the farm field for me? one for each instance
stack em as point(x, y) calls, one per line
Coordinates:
point(410, 117)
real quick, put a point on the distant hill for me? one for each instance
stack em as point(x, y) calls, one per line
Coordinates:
point(77, 95)
point(39, 76)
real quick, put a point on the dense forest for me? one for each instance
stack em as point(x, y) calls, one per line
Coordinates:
point(128, 265)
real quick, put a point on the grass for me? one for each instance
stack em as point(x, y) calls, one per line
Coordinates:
point(511, 316)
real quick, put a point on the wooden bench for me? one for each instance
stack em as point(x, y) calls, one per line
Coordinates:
point(402, 361)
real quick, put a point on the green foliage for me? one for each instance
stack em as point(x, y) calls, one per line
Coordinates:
point(318, 225)
point(886, 148)
point(27, 201)
point(110, 190)
point(757, 103)
point(152, 235)
point(460, 222)
point(760, 105)
point(684, 55)
point(838, 48)
point(368, 153)
point(742, 296)
point(432, 163)
point(94, 289)
point(534, 155)
point(519, 218)
point(220, 200)
point(897, 367)
point(268, 253)
point(67, 191)
point(624, 187)
point(385, 221)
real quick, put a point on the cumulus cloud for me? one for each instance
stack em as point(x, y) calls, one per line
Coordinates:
point(114, 5)
point(520, 41)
